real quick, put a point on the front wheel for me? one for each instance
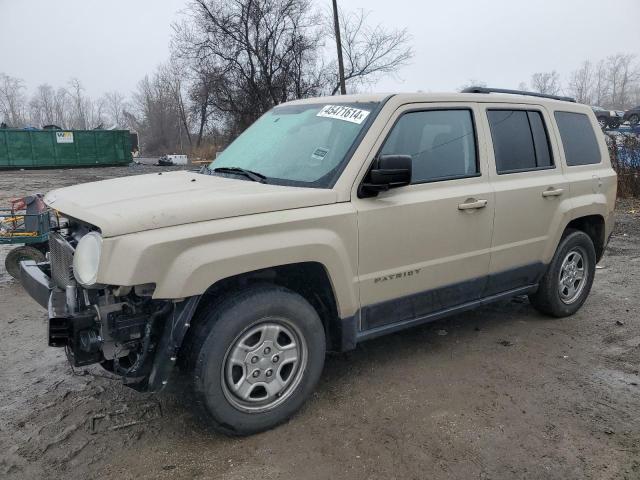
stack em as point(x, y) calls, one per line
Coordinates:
point(634, 119)
point(256, 358)
point(567, 282)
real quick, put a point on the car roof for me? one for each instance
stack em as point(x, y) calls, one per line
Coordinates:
point(422, 97)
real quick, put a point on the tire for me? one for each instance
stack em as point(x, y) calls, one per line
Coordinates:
point(15, 256)
point(560, 298)
point(634, 119)
point(255, 332)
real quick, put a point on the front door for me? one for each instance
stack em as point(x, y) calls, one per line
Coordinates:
point(425, 247)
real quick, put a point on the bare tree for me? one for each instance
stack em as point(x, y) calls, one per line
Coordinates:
point(622, 77)
point(78, 117)
point(12, 100)
point(114, 106)
point(369, 52)
point(156, 115)
point(601, 85)
point(581, 83)
point(171, 77)
point(265, 49)
point(62, 114)
point(42, 106)
point(245, 56)
point(546, 82)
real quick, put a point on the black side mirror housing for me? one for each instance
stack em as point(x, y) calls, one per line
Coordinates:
point(389, 171)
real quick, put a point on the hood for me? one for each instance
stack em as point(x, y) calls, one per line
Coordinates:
point(145, 202)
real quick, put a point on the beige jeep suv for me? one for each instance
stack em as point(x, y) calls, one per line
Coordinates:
point(328, 222)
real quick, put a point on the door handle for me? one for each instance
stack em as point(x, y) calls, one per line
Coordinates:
point(553, 192)
point(471, 204)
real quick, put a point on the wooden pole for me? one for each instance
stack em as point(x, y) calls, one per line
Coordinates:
point(336, 24)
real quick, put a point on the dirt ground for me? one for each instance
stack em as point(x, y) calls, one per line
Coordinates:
point(498, 393)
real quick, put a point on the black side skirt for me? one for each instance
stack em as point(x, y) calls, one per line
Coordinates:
point(423, 307)
point(394, 327)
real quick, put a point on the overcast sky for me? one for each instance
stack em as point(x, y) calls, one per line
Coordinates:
point(112, 44)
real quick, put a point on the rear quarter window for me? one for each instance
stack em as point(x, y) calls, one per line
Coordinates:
point(578, 139)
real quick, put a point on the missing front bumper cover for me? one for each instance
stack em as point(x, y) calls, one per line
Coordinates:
point(77, 328)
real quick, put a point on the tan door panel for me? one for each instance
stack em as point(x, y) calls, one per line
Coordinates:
point(426, 244)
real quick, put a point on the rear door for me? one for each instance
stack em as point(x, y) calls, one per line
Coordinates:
point(529, 185)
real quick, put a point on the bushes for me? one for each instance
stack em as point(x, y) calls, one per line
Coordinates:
point(624, 149)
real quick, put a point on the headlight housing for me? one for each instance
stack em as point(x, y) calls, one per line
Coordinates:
point(87, 259)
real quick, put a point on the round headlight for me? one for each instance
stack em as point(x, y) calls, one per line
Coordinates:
point(87, 259)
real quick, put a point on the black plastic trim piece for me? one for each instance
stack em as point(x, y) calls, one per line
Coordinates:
point(517, 92)
point(394, 327)
point(399, 313)
point(175, 328)
point(420, 304)
point(347, 333)
point(519, 276)
point(35, 282)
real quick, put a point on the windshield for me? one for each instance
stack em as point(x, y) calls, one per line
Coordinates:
point(302, 145)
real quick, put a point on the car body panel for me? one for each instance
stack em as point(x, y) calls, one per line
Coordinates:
point(187, 260)
point(186, 231)
point(148, 202)
point(415, 239)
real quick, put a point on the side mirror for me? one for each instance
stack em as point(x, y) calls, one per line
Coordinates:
point(389, 171)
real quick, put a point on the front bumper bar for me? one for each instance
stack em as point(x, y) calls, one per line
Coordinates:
point(36, 282)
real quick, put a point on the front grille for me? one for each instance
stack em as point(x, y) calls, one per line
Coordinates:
point(61, 258)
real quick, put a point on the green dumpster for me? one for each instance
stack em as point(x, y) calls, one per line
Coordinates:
point(63, 148)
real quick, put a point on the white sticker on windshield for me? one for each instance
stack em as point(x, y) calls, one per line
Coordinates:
point(319, 153)
point(340, 112)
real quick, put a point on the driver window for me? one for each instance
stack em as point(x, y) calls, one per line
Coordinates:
point(441, 143)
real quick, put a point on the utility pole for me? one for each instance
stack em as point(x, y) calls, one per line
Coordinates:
point(336, 24)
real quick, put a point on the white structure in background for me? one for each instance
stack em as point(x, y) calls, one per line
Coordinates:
point(178, 159)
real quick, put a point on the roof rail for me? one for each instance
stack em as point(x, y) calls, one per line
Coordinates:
point(516, 92)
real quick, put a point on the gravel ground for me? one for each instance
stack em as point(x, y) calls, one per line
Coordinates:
point(498, 393)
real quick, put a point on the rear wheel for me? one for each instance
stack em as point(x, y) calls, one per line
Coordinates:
point(17, 255)
point(634, 119)
point(256, 358)
point(567, 282)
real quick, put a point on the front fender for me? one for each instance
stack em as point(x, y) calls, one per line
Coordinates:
point(186, 260)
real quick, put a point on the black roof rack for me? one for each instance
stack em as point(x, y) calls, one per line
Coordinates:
point(516, 92)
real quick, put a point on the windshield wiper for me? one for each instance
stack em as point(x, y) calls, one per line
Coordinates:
point(251, 175)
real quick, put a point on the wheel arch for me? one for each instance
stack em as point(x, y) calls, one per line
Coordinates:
point(311, 280)
point(594, 227)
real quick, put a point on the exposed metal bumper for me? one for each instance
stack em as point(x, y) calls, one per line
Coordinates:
point(35, 282)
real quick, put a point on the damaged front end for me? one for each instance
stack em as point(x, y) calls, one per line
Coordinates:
point(123, 328)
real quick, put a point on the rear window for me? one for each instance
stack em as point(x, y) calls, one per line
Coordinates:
point(520, 140)
point(578, 139)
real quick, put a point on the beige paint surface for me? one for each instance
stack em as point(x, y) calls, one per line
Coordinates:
point(185, 235)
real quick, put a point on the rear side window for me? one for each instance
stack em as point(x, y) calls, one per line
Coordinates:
point(578, 139)
point(442, 144)
point(520, 140)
